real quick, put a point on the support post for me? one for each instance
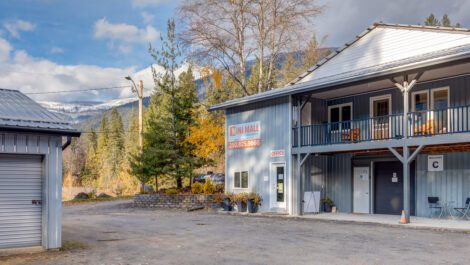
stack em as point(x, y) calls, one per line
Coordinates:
point(299, 157)
point(406, 183)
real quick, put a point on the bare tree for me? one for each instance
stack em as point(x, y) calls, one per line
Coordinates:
point(231, 32)
point(217, 31)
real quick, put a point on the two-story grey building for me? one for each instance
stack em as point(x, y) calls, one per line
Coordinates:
point(378, 126)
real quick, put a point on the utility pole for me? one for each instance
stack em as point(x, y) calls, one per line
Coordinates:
point(139, 91)
point(141, 128)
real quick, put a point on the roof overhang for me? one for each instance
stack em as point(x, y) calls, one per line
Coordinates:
point(300, 88)
point(71, 133)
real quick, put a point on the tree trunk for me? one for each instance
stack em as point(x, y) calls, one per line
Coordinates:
point(156, 183)
point(179, 182)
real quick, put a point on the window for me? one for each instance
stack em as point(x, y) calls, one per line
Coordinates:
point(440, 98)
point(340, 114)
point(241, 180)
point(420, 101)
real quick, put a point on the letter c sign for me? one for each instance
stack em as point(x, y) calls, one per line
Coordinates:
point(435, 163)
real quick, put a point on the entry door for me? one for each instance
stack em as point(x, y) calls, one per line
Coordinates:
point(361, 190)
point(278, 185)
point(380, 110)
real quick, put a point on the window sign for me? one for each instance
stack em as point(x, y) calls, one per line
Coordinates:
point(435, 163)
point(245, 135)
point(278, 153)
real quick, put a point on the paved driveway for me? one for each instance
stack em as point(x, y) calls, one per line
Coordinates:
point(116, 234)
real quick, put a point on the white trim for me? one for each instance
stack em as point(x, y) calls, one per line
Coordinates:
point(282, 205)
point(372, 99)
point(413, 99)
point(340, 106)
point(240, 188)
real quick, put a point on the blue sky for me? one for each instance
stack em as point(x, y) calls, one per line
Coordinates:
point(52, 45)
point(64, 31)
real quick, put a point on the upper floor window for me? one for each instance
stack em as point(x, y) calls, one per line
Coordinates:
point(339, 113)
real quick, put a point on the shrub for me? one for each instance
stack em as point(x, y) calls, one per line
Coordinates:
point(220, 188)
point(171, 191)
point(81, 196)
point(104, 196)
point(218, 198)
point(197, 188)
point(209, 188)
point(240, 197)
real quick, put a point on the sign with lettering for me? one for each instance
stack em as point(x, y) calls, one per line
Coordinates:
point(435, 163)
point(278, 153)
point(245, 135)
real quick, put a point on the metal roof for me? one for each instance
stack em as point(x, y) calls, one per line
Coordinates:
point(382, 49)
point(17, 111)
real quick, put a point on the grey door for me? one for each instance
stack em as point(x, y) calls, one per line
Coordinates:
point(389, 188)
point(20, 201)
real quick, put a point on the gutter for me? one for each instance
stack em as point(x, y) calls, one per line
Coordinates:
point(67, 143)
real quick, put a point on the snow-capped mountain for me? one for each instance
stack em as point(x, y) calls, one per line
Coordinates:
point(80, 111)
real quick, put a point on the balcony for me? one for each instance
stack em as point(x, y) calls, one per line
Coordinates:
point(420, 124)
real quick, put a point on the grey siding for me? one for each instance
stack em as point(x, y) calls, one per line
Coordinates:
point(274, 118)
point(452, 184)
point(332, 176)
point(459, 89)
point(50, 149)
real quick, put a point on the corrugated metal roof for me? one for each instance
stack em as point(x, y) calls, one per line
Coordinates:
point(19, 111)
point(381, 49)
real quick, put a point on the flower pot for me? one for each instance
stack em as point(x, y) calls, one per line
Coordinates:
point(227, 205)
point(252, 207)
point(241, 206)
point(326, 208)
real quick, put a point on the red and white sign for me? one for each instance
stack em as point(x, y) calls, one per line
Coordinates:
point(245, 135)
point(278, 153)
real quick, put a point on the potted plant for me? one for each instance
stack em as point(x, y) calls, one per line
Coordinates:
point(227, 202)
point(327, 204)
point(253, 202)
point(240, 199)
point(217, 201)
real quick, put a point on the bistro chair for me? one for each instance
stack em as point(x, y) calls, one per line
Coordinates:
point(464, 211)
point(435, 206)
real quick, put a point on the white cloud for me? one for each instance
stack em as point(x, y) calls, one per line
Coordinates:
point(145, 3)
point(124, 32)
point(147, 17)
point(14, 27)
point(5, 49)
point(56, 50)
point(29, 74)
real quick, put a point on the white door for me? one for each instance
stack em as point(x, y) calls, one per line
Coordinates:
point(278, 185)
point(361, 190)
point(20, 201)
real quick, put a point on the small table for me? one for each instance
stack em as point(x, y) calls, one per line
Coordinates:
point(447, 208)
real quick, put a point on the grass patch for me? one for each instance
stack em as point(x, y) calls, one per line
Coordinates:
point(69, 245)
point(81, 201)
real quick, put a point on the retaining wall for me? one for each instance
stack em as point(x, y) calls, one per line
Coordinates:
point(172, 200)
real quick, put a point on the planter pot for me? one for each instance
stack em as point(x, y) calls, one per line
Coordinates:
point(241, 206)
point(326, 208)
point(227, 205)
point(252, 207)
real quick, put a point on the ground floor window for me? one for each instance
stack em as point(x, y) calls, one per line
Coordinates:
point(241, 180)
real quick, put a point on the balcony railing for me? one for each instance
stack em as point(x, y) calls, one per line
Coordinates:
point(422, 123)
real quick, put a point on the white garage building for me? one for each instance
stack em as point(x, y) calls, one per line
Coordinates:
point(31, 144)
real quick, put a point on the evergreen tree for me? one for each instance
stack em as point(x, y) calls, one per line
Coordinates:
point(115, 143)
point(446, 21)
point(91, 169)
point(170, 114)
point(431, 20)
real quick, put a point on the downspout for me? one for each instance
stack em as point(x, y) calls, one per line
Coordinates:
point(67, 142)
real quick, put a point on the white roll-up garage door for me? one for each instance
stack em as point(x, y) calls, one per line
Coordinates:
point(20, 201)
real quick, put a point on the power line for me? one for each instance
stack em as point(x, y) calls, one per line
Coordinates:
point(77, 90)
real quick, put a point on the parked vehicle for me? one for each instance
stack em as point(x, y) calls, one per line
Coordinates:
point(217, 178)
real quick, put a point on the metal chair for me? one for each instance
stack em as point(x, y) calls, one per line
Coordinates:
point(435, 205)
point(464, 211)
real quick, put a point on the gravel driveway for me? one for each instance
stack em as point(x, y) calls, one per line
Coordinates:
point(113, 233)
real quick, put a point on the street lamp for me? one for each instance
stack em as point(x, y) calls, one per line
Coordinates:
point(139, 91)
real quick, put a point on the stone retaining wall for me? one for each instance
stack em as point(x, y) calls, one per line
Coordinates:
point(172, 200)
